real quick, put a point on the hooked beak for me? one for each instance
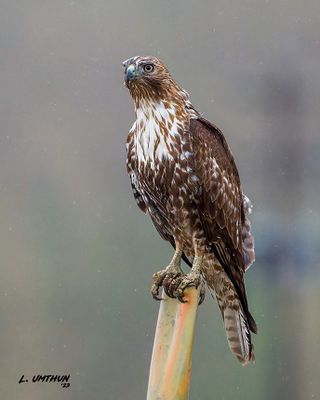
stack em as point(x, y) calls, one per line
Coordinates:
point(130, 70)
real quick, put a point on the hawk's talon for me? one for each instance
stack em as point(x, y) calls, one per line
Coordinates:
point(162, 279)
point(170, 286)
point(169, 279)
point(175, 282)
point(180, 297)
point(190, 280)
point(154, 295)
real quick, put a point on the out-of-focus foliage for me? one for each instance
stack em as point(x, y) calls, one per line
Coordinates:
point(76, 254)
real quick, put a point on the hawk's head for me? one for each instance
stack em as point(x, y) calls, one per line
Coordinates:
point(148, 78)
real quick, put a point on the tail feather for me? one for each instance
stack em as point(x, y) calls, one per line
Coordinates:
point(237, 323)
point(238, 334)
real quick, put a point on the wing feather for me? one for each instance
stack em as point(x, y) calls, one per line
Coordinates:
point(221, 203)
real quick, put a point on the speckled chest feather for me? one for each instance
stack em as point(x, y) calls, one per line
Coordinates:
point(160, 160)
point(159, 139)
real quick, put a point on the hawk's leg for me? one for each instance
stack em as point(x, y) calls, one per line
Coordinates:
point(194, 278)
point(169, 278)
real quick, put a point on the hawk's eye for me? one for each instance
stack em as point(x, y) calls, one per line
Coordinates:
point(148, 67)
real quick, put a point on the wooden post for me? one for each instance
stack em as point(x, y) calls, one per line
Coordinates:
point(172, 349)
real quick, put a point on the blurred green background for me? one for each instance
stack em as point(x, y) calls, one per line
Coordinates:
point(77, 255)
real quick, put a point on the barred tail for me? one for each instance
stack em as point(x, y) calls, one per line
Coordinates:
point(237, 323)
point(238, 333)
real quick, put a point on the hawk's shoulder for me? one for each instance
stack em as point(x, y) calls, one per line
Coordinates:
point(208, 134)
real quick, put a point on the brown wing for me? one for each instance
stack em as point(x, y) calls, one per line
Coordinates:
point(221, 190)
point(220, 202)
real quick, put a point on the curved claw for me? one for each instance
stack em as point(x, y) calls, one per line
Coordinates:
point(180, 296)
point(155, 293)
point(156, 297)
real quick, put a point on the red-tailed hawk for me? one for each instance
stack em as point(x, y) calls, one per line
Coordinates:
point(184, 176)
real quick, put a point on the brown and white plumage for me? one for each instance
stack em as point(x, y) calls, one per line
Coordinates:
point(184, 176)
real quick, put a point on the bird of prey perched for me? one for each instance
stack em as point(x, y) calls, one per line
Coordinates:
point(184, 176)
